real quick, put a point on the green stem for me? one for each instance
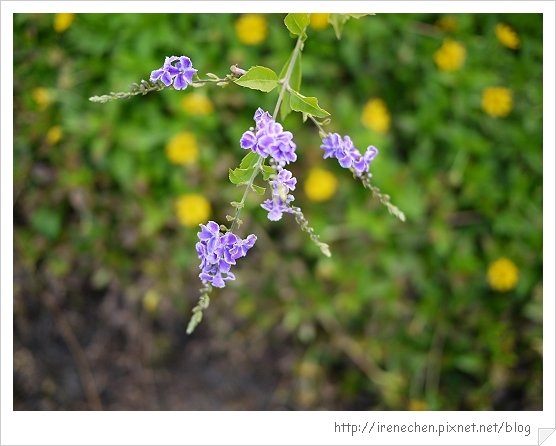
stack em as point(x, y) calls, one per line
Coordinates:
point(236, 221)
point(285, 86)
point(323, 133)
point(136, 89)
point(286, 81)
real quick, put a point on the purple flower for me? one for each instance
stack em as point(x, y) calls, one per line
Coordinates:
point(262, 118)
point(210, 235)
point(181, 74)
point(347, 154)
point(269, 138)
point(218, 252)
point(242, 246)
point(167, 73)
point(279, 204)
point(276, 206)
point(285, 178)
point(186, 73)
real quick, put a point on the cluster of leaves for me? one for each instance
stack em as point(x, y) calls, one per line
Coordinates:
point(402, 314)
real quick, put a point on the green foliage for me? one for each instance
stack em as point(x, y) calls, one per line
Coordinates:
point(259, 78)
point(339, 20)
point(307, 105)
point(242, 174)
point(297, 23)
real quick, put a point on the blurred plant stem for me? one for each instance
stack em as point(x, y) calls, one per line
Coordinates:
point(83, 369)
point(432, 377)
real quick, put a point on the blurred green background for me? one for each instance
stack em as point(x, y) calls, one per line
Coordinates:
point(443, 312)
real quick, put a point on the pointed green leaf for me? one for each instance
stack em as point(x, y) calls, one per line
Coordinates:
point(249, 160)
point(297, 23)
point(358, 16)
point(307, 104)
point(258, 189)
point(259, 78)
point(239, 176)
point(267, 172)
point(339, 20)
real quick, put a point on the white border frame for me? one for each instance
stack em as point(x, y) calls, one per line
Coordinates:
point(255, 428)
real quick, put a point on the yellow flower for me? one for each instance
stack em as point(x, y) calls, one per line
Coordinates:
point(319, 21)
point(42, 97)
point(192, 209)
point(251, 29)
point(450, 56)
point(197, 104)
point(182, 149)
point(502, 274)
point(151, 300)
point(417, 405)
point(507, 36)
point(497, 101)
point(447, 23)
point(63, 21)
point(54, 135)
point(320, 184)
point(376, 116)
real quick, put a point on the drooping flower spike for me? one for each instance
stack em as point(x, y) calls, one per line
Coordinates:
point(218, 252)
point(280, 203)
point(346, 153)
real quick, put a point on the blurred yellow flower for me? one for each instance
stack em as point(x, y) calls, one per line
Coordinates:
point(447, 23)
point(497, 101)
point(197, 104)
point(54, 135)
point(319, 20)
point(507, 36)
point(63, 21)
point(320, 184)
point(417, 405)
point(42, 97)
point(251, 29)
point(192, 209)
point(502, 274)
point(183, 149)
point(376, 116)
point(151, 300)
point(450, 56)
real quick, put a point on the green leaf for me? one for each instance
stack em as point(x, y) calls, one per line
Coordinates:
point(295, 83)
point(267, 172)
point(249, 160)
point(339, 20)
point(307, 104)
point(297, 23)
point(239, 176)
point(358, 16)
point(259, 78)
point(258, 189)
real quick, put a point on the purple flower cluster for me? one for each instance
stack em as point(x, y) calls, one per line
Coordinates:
point(281, 185)
point(269, 138)
point(218, 252)
point(181, 74)
point(347, 154)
